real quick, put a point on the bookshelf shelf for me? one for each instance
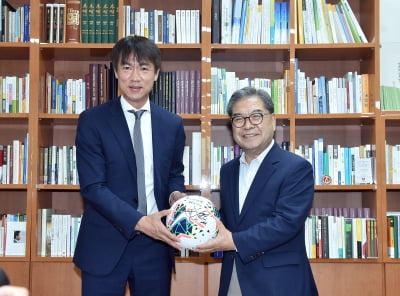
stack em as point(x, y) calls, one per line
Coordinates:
point(335, 188)
point(13, 187)
point(48, 187)
point(346, 261)
point(59, 117)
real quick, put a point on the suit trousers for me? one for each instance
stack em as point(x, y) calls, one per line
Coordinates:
point(144, 262)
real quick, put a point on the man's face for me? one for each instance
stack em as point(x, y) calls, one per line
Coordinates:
point(253, 138)
point(135, 80)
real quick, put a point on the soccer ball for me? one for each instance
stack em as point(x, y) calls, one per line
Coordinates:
point(193, 220)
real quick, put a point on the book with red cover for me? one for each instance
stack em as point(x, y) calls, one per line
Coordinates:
point(73, 21)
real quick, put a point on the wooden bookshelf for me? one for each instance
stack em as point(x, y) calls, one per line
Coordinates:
point(58, 276)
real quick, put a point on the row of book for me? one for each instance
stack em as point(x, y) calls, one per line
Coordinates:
point(192, 160)
point(390, 97)
point(65, 97)
point(57, 233)
point(220, 155)
point(233, 21)
point(322, 95)
point(15, 22)
point(13, 162)
point(72, 96)
point(161, 26)
point(335, 233)
point(321, 22)
point(392, 153)
point(14, 93)
point(224, 83)
point(58, 165)
point(250, 22)
point(99, 21)
point(86, 21)
point(12, 234)
point(54, 20)
point(334, 164)
point(178, 91)
point(340, 237)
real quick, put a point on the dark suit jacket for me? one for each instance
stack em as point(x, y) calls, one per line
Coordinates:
point(271, 257)
point(107, 176)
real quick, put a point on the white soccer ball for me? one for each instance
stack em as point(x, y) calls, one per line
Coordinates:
point(193, 220)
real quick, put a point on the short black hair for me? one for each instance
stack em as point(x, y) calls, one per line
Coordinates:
point(142, 48)
point(250, 91)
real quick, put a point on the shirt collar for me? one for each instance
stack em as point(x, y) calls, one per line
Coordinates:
point(126, 106)
point(259, 158)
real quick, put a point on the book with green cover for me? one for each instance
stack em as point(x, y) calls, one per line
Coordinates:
point(104, 20)
point(97, 20)
point(113, 21)
point(85, 21)
point(350, 22)
point(91, 21)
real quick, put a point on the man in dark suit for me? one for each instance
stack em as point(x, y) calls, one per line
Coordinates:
point(266, 195)
point(117, 243)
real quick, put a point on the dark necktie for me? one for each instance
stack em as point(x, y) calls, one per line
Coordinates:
point(139, 155)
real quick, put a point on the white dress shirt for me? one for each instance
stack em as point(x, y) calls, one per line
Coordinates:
point(145, 124)
point(247, 172)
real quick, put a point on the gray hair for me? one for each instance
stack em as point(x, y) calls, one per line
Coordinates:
point(250, 91)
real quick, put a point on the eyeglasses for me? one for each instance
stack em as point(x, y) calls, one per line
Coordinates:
point(254, 118)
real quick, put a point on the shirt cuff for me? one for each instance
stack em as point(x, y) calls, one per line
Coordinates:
point(171, 196)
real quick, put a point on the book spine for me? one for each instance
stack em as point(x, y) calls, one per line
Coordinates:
point(85, 21)
point(112, 21)
point(94, 82)
point(91, 21)
point(98, 21)
point(73, 23)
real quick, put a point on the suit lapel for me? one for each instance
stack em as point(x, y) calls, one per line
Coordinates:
point(119, 128)
point(235, 192)
point(231, 194)
point(156, 139)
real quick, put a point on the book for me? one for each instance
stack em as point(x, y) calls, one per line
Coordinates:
point(226, 19)
point(112, 21)
point(196, 158)
point(357, 31)
point(325, 233)
point(61, 25)
point(98, 14)
point(91, 21)
point(348, 238)
point(15, 238)
point(84, 21)
point(49, 21)
point(73, 21)
point(365, 93)
point(94, 84)
point(44, 231)
point(364, 168)
point(236, 16)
